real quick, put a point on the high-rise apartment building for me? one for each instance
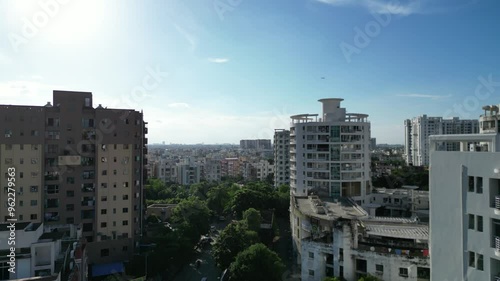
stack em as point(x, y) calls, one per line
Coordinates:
point(330, 155)
point(330, 179)
point(418, 130)
point(78, 165)
point(281, 148)
point(465, 204)
point(259, 144)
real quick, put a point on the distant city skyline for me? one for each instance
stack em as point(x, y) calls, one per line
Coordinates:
point(221, 71)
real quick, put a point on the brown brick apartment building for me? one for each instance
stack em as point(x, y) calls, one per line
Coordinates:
point(76, 164)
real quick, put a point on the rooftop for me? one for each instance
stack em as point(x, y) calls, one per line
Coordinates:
point(328, 209)
point(397, 230)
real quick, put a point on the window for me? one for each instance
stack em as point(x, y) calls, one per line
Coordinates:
point(379, 268)
point(33, 203)
point(471, 221)
point(125, 197)
point(104, 198)
point(70, 207)
point(125, 184)
point(70, 180)
point(104, 172)
point(480, 262)
point(311, 255)
point(33, 216)
point(104, 211)
point(103, 224)
point(34, 160)
point(311, 272)
point(361, 265)
point(8, 133)
point(87, 102)
point(124, 222)
point(21, 174)
point(33, 188)
point(125, 210)
point(479, 185)
point(480, 223)
point(114, 210)
point(471, 184)
point(21, 161)
point(104, 252)
point(472, 259)
point(403, 271)
point(104, 185)
point(34, 133)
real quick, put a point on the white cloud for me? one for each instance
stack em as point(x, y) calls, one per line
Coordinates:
point(380, 6)
point(425, 96)
point(178, 105)
point(218, 60)
point(24, 92)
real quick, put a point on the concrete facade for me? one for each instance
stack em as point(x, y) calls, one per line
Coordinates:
point(61, 147)
point(418, 130)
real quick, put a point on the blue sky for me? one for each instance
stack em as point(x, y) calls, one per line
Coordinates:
point(218, 71)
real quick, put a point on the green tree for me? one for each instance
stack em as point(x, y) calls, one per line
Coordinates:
point(257, 263)
point(252, 219)
point(232, 240)
point(193, 215)
point(218, 199)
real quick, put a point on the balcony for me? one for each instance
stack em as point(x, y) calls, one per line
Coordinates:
point(497, 246)
point(497, 204)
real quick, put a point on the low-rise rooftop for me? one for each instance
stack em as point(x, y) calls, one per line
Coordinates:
point(329, 209)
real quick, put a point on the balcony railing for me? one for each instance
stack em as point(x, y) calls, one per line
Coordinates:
point(497, 202)
point(497, 245)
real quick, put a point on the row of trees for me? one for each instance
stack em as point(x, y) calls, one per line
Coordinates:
point(196, 206)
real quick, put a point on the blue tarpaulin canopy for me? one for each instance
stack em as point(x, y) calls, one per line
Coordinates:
point(107, 268)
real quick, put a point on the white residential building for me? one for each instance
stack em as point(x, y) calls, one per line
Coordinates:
point(212, 170)
point(465, 204)
point(188, 171)
point(262, 169)
point(418, 130)
point(338, 238)
point(39, 253)
point(330, 155)
point(281, 157)
point(166, 170)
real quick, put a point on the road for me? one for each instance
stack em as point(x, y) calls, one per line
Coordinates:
point(207, 268)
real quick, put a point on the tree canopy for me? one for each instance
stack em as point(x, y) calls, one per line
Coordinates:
point(232, 240)
point(257, 263)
